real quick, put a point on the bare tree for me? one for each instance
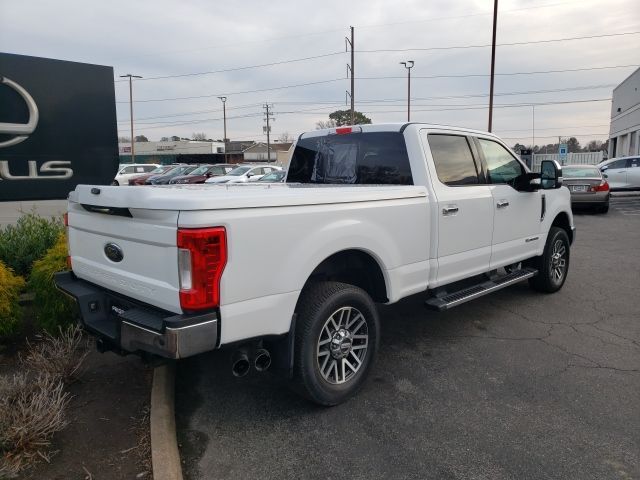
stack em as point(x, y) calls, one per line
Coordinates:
point(285, 138)
point(321, 124)
point(199, 136)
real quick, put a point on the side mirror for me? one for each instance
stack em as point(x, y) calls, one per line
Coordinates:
point(527, 182)
point(550, 175)
point(604, 168)
point(249, 175)
point(208, 174)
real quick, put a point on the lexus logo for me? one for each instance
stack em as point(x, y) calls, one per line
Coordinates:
point(113, 252)
point(20, 130)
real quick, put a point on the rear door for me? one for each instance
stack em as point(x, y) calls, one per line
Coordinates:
point(465, 212)
point(516, 221)
point(617, 173)
point(633, 173)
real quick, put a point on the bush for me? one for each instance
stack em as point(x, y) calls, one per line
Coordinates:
point(27, 241)
point(32, 409)
point(10, 312)
point(53, 308)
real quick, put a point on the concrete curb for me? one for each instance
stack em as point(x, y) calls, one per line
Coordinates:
point(164, 444)
point(633, 193)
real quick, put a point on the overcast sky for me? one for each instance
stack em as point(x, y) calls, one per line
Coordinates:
point(163, 38)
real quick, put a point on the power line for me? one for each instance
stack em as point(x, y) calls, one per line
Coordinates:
point(237, 93)
point(235, 69)
point(455, 47)
point(500, 74)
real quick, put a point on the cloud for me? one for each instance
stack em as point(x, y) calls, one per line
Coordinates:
point(168, 37)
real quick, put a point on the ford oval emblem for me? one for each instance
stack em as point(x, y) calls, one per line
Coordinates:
point(113, 252)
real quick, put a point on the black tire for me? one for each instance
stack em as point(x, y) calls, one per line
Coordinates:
point(317, 305)
point(548, 264)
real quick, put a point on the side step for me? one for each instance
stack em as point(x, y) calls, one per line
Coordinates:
point(450, 300)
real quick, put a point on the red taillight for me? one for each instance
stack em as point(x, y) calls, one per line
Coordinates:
point(202, 256)
point(603, 187)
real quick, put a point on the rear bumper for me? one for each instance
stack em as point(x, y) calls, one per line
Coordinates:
point(125, 325)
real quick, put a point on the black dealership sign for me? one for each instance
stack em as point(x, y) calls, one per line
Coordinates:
point(57, 127)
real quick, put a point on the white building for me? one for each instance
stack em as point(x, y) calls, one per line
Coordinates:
point(167, 152)
point(624, 134)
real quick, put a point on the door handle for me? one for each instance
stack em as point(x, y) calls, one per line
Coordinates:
point(502, 204)
point(448, 211)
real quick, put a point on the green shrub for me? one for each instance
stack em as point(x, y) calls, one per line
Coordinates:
point(10, 312)
point(27, 241)
point(53, 308)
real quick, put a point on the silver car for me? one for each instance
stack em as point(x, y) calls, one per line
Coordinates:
point(587, 185)
point(622, 173)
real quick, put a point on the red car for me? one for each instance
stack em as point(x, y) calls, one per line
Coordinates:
point(140, 179)
point(200, 174)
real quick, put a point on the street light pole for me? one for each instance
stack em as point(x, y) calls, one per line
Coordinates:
point(408, 65)
point(493, 62)
point(224, 115)
point(130, 77)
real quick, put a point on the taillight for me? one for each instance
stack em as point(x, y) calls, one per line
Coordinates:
point(603, 187)
point(347, 130)
point(202, 256)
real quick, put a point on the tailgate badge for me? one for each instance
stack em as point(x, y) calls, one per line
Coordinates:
point(113, 252)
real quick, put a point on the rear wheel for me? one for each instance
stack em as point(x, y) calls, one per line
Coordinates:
point(336, 340)
point(553, 264)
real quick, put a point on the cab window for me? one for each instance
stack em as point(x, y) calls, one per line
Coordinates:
point(453, 159)
point(502, 167)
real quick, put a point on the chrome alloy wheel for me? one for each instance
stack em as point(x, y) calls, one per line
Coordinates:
point(558, 261)
point(342, 345)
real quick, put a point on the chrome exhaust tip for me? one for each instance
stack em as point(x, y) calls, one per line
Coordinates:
point(263, 360)
point(240, 364)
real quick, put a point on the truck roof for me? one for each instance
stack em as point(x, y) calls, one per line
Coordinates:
point(393, 127)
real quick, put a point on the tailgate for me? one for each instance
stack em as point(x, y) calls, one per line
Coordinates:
point(144, 238)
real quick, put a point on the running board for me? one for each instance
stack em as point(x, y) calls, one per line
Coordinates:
point(446, 301)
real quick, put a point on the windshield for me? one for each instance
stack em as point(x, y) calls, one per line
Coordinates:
point(238, 171)
point(200, 170)
point(580, 172)
point(160, 169)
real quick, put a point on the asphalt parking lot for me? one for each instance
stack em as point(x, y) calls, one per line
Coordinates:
point(513, 385)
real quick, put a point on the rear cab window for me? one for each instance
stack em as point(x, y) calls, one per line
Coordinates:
point(369, 158)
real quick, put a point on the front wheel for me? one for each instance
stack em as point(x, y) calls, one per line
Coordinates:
point(553, 265)
point(336, 340)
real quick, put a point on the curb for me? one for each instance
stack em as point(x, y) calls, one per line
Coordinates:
point(165, 458)
point(625, 194)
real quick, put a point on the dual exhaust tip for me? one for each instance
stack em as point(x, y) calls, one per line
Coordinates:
point(240, 364)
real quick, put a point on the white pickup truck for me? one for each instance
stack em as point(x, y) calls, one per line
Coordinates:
point(369, 214)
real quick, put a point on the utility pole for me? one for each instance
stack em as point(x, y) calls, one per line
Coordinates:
point(267, 117)
point(130, 77)
point(533, 126)
point(493, 62)
point(350, 69)
point(224, 114)
point(408, 65)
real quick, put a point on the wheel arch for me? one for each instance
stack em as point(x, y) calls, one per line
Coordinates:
point(561, 220)
point(356, 267)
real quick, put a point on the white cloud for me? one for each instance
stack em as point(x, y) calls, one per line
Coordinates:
point(167, 37)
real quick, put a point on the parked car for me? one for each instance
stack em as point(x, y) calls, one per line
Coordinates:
point(369, 214)
point(274, 177)
point(127, 171)
point(202, 173)
point(244, 174)
point(622, 173)
point(141, 179)
point(166, 177)
point(588, 187)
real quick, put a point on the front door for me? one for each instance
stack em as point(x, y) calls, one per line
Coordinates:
point(516, 220)
point(616, 173)
point(464, 208)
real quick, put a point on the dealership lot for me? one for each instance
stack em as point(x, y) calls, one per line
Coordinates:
point(513, 385)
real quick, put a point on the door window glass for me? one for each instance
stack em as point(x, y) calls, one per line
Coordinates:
point(618, 164)
point(453, 160)
point(502, 167)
